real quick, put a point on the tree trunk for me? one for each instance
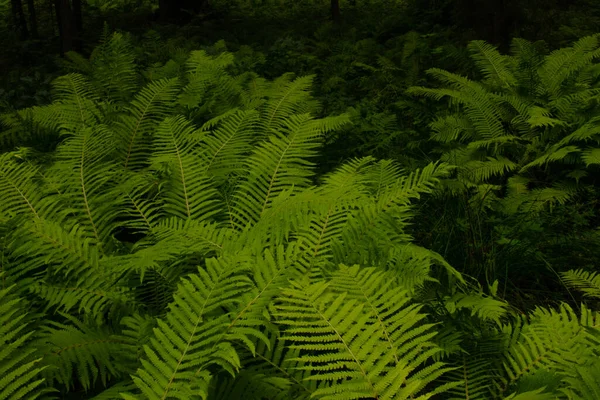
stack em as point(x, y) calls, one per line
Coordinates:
point(335, 11)
point(78, 25)
point(19, 19)
point(66, 25)
point(32, 19)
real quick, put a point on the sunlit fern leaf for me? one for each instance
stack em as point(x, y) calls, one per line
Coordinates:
point(224, 149)
point(585, 281)
point(142, 210)
point(47, 247)
point(591, 156)
point(20, 371)
point(78, 353)
point(551, 340)
point(553, 154)
point(486, 308)
point(270, 272)
point(582, 381)
point(188, 340)
point(378, 223)
point(348, 174)
point(97, 297)
point(344, 349)
point(286, 97)
point(389, 305)
point(85, 176)
point(113, 68)
point(450, 128)
point(563, 63)
point(188, 191)
point(20, 192)
point(494, 66)
point(280, 163)
point(139, 121)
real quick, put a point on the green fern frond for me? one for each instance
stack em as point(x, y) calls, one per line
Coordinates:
point(113, 68)
point(343, 347)
point(494, 66)
point(45, 246)
point(482, 171)
point(486, 308)
point(554, 340)
point(189, 192)
point(224, 148)
point(286, 98)
point(188, 340)
point(587, 282)
point(563, 63)
point(134, 128)
point(280, 164)
point(389, 306)
point(78, 351)
point(84, 174)
point(77, 104)
point(591, 156)
point(20, 194)
point(451, 128)
point(552, 155)
point(20, 372)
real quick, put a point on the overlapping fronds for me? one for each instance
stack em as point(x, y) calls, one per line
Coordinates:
point(20, 369)
point(345, 348)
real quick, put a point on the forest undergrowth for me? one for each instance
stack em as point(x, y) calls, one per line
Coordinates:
point(335, 217)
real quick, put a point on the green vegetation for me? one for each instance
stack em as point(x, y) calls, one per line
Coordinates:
point(245, 200)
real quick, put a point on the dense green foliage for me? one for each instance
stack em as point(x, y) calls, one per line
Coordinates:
point(345, 211)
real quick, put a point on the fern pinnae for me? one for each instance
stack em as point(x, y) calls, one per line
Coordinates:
point(150, 106)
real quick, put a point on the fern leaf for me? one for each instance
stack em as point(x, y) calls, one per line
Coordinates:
point(494, 66)
point(587, 282)
point(140, 120)
point(20, 373)
point(189, 191)
point(188, 341)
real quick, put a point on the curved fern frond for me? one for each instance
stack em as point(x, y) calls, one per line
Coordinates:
point(286, 98)
point(20, 372)
point(494, 66)
point(225, 147)
point(93, 353)
point(187, 341)
point(189, 192)
point(587, 282)
point(85, 176)
point(135, 127)
point(280, 164)
point(344, 348)
point(564, 63)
